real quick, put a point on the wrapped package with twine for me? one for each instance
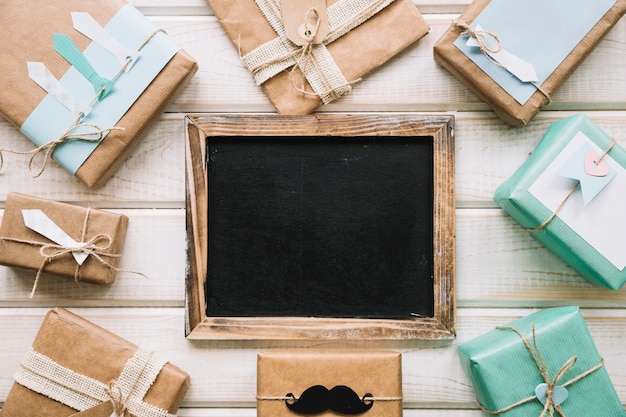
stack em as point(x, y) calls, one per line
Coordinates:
point(506, 107)
point(362, 36)
point(76, 368)
point(544, 364)
point(31, 35)
point(98, 234)
point(329, 382)
point(551, 206)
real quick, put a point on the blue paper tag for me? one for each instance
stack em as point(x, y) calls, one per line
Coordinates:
point(540, 32)
point(593, 174)
point(51, 119)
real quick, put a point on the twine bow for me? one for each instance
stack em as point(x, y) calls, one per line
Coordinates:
point(43, 375)
point(550, 406)
point(306, 57)
point(78, 131)
point(481, 36)
point(75, 132)
point(93, 247)
point(315, 62)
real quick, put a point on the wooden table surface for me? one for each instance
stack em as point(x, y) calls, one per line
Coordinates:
point(502, 272)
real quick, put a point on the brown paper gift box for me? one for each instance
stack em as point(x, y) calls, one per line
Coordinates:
point(293, 371)
point(506, 107)
point(70, 219)
point(357, 53)
point(92, 351)
point(28, 35)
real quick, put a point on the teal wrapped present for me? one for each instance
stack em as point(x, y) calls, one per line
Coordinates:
point(569, 196)
point(545, 364)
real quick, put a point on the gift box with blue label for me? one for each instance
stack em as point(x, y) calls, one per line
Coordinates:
point(515, 54)
point(569, 196)
point(545, 364)
point(84, 79)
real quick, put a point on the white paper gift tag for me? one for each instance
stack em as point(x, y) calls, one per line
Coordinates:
point(87, 25)
point(37, 221)
point(39, 73)
point(521, 69)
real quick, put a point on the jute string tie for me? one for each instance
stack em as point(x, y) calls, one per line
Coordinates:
point(571, 192)
point(481, 36)
point(43, 375)
point(314, 61)
point(78, 131)
point(550, 406)
point(96, 247)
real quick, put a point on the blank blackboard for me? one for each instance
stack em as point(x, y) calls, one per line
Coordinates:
point(326, 227)
point(320, 226)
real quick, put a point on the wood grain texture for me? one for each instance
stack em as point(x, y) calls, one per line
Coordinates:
point(502, 272)
point(438, 129)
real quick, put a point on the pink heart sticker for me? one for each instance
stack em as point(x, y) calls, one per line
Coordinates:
point(594, 168)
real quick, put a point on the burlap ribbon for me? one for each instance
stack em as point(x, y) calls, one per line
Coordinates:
point(43, 375)
point(550, 406)
point(314, 61)
point(77, 131)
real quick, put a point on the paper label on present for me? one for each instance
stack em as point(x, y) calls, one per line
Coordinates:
point(514, 64)
point(601, 222)
point(593, 175)
point(539, 32)
point(51, 119)
point(39, 222)
point(305, 20)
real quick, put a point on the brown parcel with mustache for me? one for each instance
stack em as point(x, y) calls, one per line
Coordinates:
point(28, 36)
point(89, 350)
point(70, 219)
point(293, 371)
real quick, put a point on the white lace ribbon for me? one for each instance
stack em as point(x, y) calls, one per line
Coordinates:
point(41, 374)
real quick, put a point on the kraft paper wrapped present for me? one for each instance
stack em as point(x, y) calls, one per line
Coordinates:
point(571, 204)
point(76, 368)
point(514, 55)
point(546, 363)
point(39, 235)
point(347, 40)
point(292, 382)
point(92, 113)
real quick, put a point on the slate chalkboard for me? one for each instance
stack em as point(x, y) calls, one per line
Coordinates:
point(320, 226)
point(327, 227)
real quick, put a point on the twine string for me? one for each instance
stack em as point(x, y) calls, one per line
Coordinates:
point(75, 132)
point(570, 193)
point(116, 396)
point(550, 406)
point(306, 57)
point(96, 247)
point(481, 37)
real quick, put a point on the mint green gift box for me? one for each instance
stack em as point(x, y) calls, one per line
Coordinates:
point(513, 196)
point(503, 371)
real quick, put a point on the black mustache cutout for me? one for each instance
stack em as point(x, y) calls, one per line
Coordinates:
point(341, 399)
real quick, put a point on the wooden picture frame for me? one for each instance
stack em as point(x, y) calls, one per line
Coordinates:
point(434, 129)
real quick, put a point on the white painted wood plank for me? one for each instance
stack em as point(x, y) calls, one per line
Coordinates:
point(487, 153)
point(251, 412)
point(498, 265)
point(412, 81)
point(154, 245)
point(223, 374)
